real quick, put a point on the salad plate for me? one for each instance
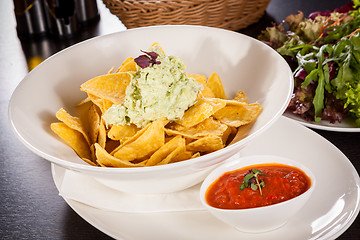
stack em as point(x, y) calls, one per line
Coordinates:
point(322, 49)
point(345, 126)
point(330, 211)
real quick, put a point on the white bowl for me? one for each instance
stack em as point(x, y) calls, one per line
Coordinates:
point(260, 219)
point(243, 63)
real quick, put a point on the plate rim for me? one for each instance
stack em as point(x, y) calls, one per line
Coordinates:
point(320, 126)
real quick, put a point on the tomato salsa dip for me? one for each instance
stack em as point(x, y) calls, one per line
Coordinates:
point(257, 186)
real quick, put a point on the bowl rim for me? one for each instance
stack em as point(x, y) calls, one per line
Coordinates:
point(213, 155)
point(238, 163)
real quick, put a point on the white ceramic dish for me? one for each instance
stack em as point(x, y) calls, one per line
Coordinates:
point(329, 212)
point(345, 126)
point(243, 63)
point(273, 216)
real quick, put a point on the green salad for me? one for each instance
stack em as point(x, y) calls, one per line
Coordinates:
point(323, 50)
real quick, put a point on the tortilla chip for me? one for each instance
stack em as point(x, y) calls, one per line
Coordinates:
point(89, 162)
point(169, 158)
point(166, 152)
point(111, 70)
point(100, 164)
point(207, 127)
point(94, 119)
point(206, 144)
point(72, 122)
point(144, 143)
point(237, 114)
point(195, 155)
point(92, 152)
point(84, 101)
point(106, 104)
point(97, 101)
point(201, 110)
point(241, 132)
point(158, 46)
point(111, 87)
point(129, 65)
point(182, 156)
point(122, 132)
point(240, 96)
point(206, 92)
point(102, 134)
point(73, 138)
point(108, 160)
point(216, 86)
point(226, 134)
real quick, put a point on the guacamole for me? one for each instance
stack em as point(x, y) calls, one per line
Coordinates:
point(159, 90)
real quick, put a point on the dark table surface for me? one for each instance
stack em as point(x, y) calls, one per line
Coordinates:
point(30, 207)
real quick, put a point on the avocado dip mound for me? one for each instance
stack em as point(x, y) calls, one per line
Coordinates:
point(160, 88)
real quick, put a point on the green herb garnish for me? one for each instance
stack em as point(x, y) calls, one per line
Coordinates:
point(252, 180)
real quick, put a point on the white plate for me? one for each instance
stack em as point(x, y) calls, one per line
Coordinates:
point(331, 210)
point(345, 126)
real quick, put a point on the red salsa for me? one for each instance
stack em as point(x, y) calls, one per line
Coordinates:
point(282, 182)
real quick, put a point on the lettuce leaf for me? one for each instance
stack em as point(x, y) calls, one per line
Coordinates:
point(326, 46)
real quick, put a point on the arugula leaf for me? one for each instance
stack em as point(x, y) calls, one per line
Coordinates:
point(312, 76)
point(319, 97)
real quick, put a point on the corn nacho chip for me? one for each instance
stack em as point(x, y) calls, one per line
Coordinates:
point(110, 86)
point(216, 86)
point(89, 162)
point(170, 158)
point(111, 70)
point(237, 114)
point(184, 155)
point(201, 110)
point(97, 101)
point(108, 160)
point(122, 132)
point(240, 96)
point(144, 143)
point(106, 104)
point(207, 127)
point(73, 138)
point(195, 155)
point(94, 119)
point(206, 144)
point(84, 101)
point(102, 134)
point(206, 92)
point(72, 122)
point(129, 65)
point(167, 151)
point(156, 44)
point(241, 132)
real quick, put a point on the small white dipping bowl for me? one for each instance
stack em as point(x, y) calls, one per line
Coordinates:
point(243, 63)
point(261, 219)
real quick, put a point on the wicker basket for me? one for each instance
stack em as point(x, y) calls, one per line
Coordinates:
point(227, 14)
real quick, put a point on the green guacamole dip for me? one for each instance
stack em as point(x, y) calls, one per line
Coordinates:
point(160, 90)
